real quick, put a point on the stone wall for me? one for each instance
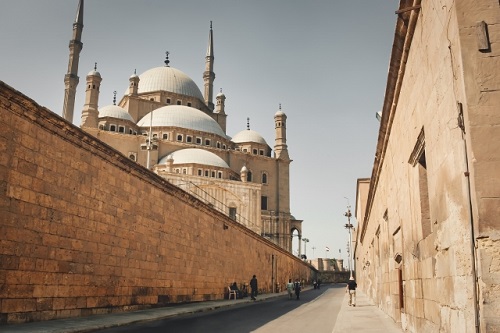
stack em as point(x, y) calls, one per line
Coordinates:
point(84, 230)
point(432, 216)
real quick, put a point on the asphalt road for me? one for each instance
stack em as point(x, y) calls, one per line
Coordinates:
point(316, 311)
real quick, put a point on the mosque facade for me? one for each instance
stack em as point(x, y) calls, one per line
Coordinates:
point(166, 124)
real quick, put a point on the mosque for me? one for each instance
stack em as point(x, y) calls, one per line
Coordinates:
point(166, 124)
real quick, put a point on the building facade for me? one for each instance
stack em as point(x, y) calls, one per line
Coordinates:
point(166, 124)
point(428, 245)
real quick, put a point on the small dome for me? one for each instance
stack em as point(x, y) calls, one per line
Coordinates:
point(279, 113)
point(134, 76)
point(221, 94)
point(94, 73)
point(183, 117)
point(168, 79)
point(114, 111)
point(196, 156)
point(244, 169)
point(248, 136)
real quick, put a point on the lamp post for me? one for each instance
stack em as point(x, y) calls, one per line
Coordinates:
point(349, 227)
point(305, 240)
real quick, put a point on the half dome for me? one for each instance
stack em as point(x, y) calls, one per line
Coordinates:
point(168, 79)
point(248, 136)
point(183, 117)
point(196, 156)
point(114, 111)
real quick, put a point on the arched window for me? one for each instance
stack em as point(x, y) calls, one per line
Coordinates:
point(249, 176)
point(264, 178)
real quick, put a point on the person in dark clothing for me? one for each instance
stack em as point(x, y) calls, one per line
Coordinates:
point(297, 288)
point(234, 287)
point(351, 289)
point(253, 286)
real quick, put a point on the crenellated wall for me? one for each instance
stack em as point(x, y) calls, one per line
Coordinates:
point(84, 230)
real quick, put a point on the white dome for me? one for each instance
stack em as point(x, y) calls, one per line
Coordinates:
point(94, 73)
point(183, 117)
point(114, 111)
point(248, 136)
point(168, 79)
point(195, 155)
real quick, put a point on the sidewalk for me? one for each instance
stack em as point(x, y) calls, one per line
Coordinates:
point(365, 317)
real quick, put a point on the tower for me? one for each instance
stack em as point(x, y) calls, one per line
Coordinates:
point(280, 146)
point(208, 74)
point(71, 78)
point(219, 114)
point(133, 84)
point(90, 111)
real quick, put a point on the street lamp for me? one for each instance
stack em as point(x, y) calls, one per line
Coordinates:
point(305, 240)
point(150, 143)
point(349, 227)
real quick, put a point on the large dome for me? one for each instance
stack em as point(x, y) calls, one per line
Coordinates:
point(248, 136)
point(195, 155)
point(114, 111)
point(183, 117)
point(168, 79)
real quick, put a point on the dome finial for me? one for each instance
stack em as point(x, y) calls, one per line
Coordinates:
point(280, 106)
point(95, 66)
point(210, 25)
point(166, 58)
point(221, 90)
point(114, 97)
point(135, 71)
point(248, 123)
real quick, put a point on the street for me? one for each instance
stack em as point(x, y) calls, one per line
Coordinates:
point(316, 311)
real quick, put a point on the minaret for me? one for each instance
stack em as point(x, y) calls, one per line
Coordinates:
point(280, 147)
point(90, 111)
point(133, 84)
point(220, 115)
point(71, 78)
point(208, 74)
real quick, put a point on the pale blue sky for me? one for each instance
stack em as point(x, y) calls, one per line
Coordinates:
point(325, 61)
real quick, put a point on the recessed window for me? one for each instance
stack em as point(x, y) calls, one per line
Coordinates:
point(130, 131)
point(184, 171)
point(168, 100)
point(152, 99)
point(232, 213)
point(261, 152)
point(200, 172)
point(165, 136)
point(112, 128)
point(218, 144)
point(263, 202)
point(254, 151)
point(213, 174)
point(132, 156)
point(206, 173)
point(264, 178)
point(179, 137)
point(189, 138)
point(179, 102)
point(219, 174)
point(207, 142)
point(121, 129)
point(198, 141)
point(189, 104)
point(224, 147)
point(177, 171)
point(244, 150)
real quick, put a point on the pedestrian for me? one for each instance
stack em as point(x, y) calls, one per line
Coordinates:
point(297, 288)
point(253, 286)
point(289, 288)
point(351, 289)
point(314, 284)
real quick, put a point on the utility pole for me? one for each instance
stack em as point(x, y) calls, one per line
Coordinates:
point(305, 240)
point(349, 227)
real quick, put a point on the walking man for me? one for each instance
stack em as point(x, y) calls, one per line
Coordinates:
point(351, 289)
point(297, 288)
point(253, 286)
